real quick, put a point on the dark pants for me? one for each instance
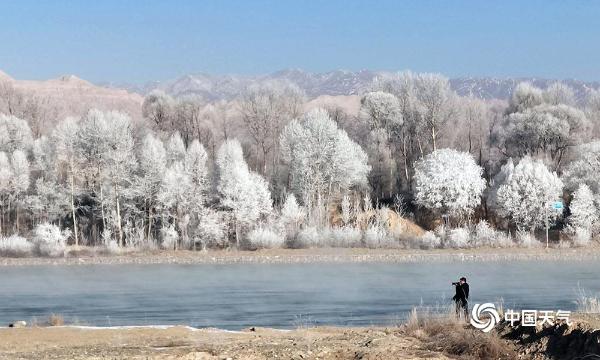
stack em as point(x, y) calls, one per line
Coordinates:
point(462, 308)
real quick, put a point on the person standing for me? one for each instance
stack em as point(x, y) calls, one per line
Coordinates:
point(461, 298)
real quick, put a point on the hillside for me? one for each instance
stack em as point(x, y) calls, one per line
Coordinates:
point(72, 96)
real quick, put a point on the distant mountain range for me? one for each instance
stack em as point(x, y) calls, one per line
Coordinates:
point(333, 83)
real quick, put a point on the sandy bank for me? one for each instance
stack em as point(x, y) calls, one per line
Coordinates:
point(288, 256)
point(186, 343)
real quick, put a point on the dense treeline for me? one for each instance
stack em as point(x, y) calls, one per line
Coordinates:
point(264, 171)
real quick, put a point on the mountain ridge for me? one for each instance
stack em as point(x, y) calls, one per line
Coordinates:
point(338, 82)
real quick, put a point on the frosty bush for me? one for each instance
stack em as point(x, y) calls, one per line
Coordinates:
point(485, 235)
point(15, 245)
point(581, 236)
point(265, 238)
point(112, 247)
point(211, 230)
point(527, 239)
point(49, 240)
point(345, 236)
point(376, 236)
point(308, 237)
point(169, 237)
point(458, 238)
point(429, 241)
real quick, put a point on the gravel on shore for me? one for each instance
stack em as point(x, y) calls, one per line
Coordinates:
point(88, 256)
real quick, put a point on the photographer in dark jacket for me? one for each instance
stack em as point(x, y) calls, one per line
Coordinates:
point(461, 298)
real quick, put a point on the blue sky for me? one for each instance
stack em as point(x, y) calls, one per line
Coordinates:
point(137, 41)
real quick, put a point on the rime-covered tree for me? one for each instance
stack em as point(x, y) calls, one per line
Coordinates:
point(152, 160)
point(65, 140)
point(381, 112)
point(265, 110)
point(584, 213)
point(584, 168)
point(450, 182)
point(15, 134)
point(158, 108)
point(524, 97)
point(322, 159)
point(6, 174)
point(20, 182)
point(242, 191)
point(528, 194)
point(559, 94)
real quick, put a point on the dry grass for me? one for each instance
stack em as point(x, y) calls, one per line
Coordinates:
point(587, 304)
point(56, 320)
point(441, 331)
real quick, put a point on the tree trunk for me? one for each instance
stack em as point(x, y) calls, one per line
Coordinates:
point(118, 208)
point(75, 232)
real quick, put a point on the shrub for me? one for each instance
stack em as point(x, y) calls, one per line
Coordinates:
point(308, 237)
point(458, 238)
point(527, 239)
point(377, 236)
point(345, 236)
point(56, 320)
point(429, 241)
point(485, 235)
point(265, 238)
point(49, 240)
point(112, 247)
point(211, 231)
point(581, 236)
point(169, 237)
point(15, 245)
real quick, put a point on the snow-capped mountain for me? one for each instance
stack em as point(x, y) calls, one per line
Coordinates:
point(338, 82)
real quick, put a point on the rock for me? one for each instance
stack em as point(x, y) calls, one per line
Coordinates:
point(18, 324)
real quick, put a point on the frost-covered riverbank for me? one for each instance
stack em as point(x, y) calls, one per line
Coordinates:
point(320, 255)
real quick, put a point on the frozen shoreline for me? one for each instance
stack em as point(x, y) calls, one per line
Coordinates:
point(321, 255)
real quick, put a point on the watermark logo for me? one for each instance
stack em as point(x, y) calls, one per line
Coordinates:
point(485, 317)
point(488, 322)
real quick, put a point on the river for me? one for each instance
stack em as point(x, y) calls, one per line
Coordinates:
point(279, 295)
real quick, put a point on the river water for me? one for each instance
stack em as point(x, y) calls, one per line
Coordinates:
point(279, 295)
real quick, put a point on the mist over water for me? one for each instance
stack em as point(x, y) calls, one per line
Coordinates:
point(278, 295)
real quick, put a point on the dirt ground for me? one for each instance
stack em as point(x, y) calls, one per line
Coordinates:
point(193, 344)
point(83, 256)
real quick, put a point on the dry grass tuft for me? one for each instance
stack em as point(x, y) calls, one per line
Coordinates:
point(56, 320)
point(587, 304)
point(441, 331)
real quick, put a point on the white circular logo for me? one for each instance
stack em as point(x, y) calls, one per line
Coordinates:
point(489, 322)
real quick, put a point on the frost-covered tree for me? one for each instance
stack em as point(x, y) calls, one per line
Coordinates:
point(152, 160)
point(322, 158)
point(65, 138)
point(524, 97)
point(20, 181)
point(195, 162)
point(449, 181)
point(158, 108)
point(545, 129)
point(559, 93)
point(242, 191)
point(175, 149)
point(6, 174)
point(427, 104)
point(174, 197)
point(584, 167)
point(292, 214)
point(381, 110)
point(265, 110)
point(528, 194)
point(584, 213)
point(15, 134)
